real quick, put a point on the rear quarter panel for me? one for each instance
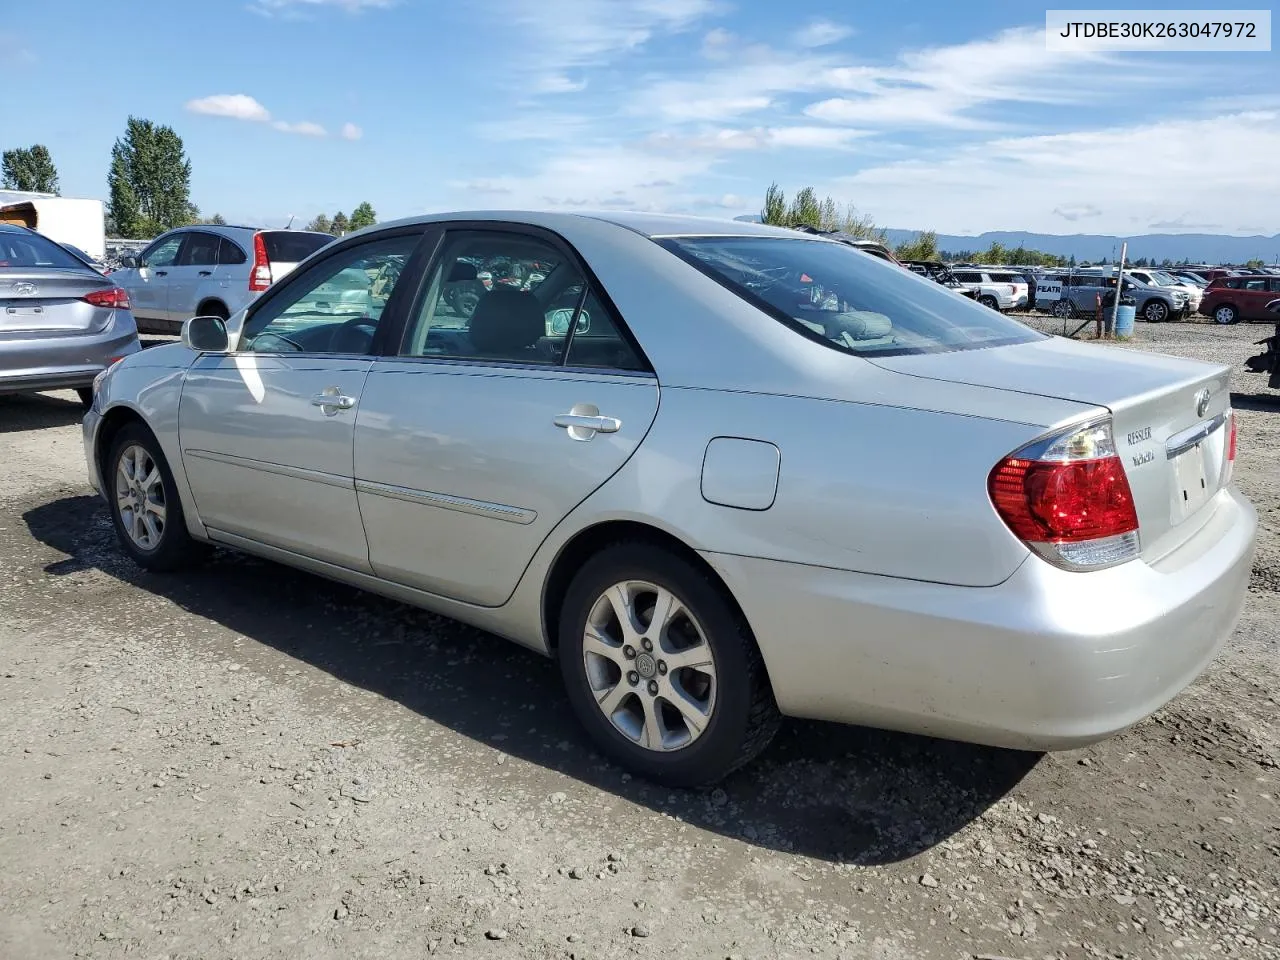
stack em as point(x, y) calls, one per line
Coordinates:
point(876, 489)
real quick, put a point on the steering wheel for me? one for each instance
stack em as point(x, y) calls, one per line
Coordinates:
point(366, 325)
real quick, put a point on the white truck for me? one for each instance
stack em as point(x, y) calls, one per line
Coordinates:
point(78, 221)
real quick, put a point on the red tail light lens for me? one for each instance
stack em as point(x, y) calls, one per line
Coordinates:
point(114, 299)
point(1068, 498)
point(260, 278)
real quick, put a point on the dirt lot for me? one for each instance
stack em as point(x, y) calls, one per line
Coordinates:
point(251, 762)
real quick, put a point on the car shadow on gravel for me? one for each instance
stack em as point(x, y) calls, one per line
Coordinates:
point(838, 793)
point(1263, 402)
point(20, 412)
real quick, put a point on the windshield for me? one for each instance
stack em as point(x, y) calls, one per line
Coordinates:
point(285, 247)
point(850, 302)
point(19, 250)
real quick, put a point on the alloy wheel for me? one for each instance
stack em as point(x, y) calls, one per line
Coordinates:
point(140, 497)
point(649, 666)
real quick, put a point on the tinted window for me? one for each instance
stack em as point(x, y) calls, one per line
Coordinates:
point(1007, 278)
point(201, 250)
point(33, 250)
point(333, 307)
point(164, 252)
point(229, 253)
point(497, 296)
point(597, 340)
point(849, 302)
point(284, 246)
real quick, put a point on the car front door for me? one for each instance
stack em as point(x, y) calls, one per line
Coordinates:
point(192, 272)
point(498, 417)
point(267, 430)
point(148, 283)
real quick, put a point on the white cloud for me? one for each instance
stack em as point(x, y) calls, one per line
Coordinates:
point(820, 33)
point(756, 138)
point(238, 106)
point(241, 106)
point(303, 127)
point(1027, 183)
point(557, 83)
point(296, 7)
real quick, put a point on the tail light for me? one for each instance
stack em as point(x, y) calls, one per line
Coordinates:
point(260, 278)
point(1068, 498)
point(115, 298)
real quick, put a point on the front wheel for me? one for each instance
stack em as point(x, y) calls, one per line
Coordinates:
point(145, 508)
point(1156, 311)
point(1062, 309)
point(661, 668)
point(1226, 314)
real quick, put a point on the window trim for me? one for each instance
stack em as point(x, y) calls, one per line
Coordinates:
point(391, 318)
point(591, 284)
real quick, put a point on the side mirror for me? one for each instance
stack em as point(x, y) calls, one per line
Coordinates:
point(205, 335)
point(129, 263)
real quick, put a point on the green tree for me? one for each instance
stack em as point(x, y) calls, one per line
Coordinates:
point(30, 169)
point(805, 209)
point(218, 219)
point(363, 216)
point(149, 181)
point(995, 254)
point(1253, 264)
point(340, 224)
point(775, 206)
point(924, 246)
point(321, 224)
point(861, 226)
point(828, 215)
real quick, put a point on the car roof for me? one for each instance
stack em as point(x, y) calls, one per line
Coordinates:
point(646, 224)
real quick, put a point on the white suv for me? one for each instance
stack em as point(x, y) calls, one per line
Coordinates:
point(209, 270)
point(997, 289)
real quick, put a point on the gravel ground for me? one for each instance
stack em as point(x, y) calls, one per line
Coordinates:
point(250, 762)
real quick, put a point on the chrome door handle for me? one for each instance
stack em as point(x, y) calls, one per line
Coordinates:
point(585, 427)
point(333, 402)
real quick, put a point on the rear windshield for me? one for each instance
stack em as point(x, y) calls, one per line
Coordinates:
point(284, 246)
point(854, 303)
point(19, 250)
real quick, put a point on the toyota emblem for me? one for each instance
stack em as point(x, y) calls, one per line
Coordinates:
point(24, 288)
point(1202, 402)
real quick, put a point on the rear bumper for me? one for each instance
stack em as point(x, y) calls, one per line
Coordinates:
point(1048, 660)
point(58, 363)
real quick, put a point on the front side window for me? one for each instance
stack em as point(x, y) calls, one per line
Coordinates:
point(164, 252)
point(850, 303)
point(335, 306)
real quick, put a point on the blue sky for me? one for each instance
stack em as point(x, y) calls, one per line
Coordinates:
point(930, 114)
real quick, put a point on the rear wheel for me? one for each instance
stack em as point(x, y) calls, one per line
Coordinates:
point(989, 301)
point(1063, 310)
point(145, 508)
point(661, 668)
point(1226, 314)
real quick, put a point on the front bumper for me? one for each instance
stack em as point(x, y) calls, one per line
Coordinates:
point(1048, 660)
point(89, 433)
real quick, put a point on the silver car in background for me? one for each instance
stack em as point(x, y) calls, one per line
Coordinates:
point(61, 322)
point(723, 472)
point(209, 270)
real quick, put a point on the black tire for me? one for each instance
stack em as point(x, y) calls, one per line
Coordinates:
point(86, 396)
point(989, 301)
point(1156, 311)
point(1226, 314)
point(176, 549)
point(1064, 309)
point(744, 717)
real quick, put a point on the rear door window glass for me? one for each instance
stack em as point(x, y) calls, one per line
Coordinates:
point(229, 254)
point(201, 250)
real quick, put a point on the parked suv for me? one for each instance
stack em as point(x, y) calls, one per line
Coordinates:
point(1161, 278)
point(1082, 292)
point(997, 289)
point(209, 270)
point(1232, 299)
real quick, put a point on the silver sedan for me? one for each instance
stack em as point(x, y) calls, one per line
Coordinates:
point(61, 321)
point(723, 472)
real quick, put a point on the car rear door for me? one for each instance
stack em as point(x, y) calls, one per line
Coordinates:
point(489, 427)
point(1254, 294)
point(192, 273)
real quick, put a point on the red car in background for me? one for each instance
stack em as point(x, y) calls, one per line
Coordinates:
point(1232, 299)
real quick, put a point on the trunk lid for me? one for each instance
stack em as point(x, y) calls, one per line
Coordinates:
point(48, 300)
point(1168, 414)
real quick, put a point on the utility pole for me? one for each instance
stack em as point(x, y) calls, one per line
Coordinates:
point(1115, 306)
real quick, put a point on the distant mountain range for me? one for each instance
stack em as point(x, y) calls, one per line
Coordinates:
point(1178, 247)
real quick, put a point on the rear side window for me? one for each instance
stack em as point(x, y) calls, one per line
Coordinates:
point(26, 250)
point(200, 250)
point(1006, 278)
point(284, 246)
point(852, 303)
point(229, 254)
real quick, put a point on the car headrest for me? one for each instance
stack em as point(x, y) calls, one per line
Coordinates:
point(461, 270)
point(506, 321)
